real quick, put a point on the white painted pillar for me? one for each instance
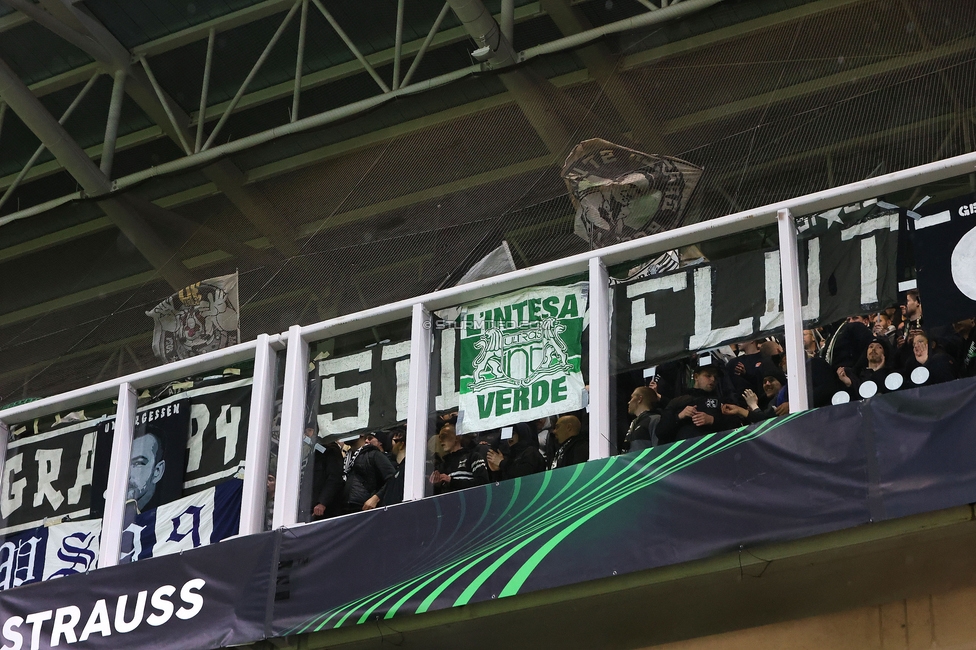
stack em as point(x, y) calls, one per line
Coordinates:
point(796, 357)
point(255, 491)
point(288, 478)
point(599, 306)
point(118, 478)
point(419, 403)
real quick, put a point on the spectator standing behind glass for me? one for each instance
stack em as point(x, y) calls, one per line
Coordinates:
point(367, 469)
point(456, 468)
point(642, 433)
point(572, 447)
point(937, 363)
point(696, 413)
point(523, 457)
point(327, 482)
point(392, 492)
point(774, 383)
point(883, 327)
point(912, 311)
point(874, 367)
point(743, 371)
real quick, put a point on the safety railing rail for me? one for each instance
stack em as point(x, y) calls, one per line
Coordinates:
point(418, 309)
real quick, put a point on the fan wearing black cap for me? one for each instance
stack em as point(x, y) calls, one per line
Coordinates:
point(696, 413)
point(367, 469)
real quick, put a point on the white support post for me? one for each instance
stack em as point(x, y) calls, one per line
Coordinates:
point(255, 492)
point(118, 478)
point(289, 475)
point(796, 357)
point(599, 307)
point(418, 405)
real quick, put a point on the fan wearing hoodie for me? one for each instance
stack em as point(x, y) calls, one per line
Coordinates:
point(523, 457)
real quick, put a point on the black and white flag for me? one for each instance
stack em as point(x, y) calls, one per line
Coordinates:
point(622, 194)
point(945, 259)
point(200, 318)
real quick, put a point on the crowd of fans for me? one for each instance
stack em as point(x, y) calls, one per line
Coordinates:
point(741, 384)
point(746, 383)
point(368, 472)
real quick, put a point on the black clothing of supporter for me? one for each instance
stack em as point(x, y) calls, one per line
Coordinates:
point(522, 459)
point(849, 343)
point(673, 428)
point(751, 378)
point(368, 472)
point(392, 492)
point(327, 486)
point(572, 452)
point(967, 363)
point(939, 366)
point(642, 432)
point(465, 467)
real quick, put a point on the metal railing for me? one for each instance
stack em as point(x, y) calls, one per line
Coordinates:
point(263, 351)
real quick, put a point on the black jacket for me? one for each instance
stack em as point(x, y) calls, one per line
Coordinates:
point(466, 469)
point(673, 428)
point(369, 472)
point(575, 450)
point(642, 432)
point(392, 492)
point(521, 460)
point(327, 484)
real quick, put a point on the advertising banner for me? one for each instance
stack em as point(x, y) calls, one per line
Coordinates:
point(520, 356)
point(214, 597)
point(787, 478)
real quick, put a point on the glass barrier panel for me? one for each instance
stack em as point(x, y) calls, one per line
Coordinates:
point(50, 518)
point(186, 465)
point(877, 262)
point(356, 414)
point(509, 385)
point(697, 341)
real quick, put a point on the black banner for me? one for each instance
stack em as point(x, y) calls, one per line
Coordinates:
point(847, 266)
point(50, 475)
point(363, 391)
point(212, 597)
point(945, 259)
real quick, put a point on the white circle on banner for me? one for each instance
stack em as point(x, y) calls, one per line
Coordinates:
point(867, 389)
point(894, 381)
point(840, 397)
point(963, 264)
point(920, 375)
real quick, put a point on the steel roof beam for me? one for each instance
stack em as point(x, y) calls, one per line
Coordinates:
point(29, 109)
point(602, 66)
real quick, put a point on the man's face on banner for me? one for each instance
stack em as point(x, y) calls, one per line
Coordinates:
point(146, 468)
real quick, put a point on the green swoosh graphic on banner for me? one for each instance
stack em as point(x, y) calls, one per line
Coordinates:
point(559, 515)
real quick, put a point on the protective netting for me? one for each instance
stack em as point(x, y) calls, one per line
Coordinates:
point(773, 100)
